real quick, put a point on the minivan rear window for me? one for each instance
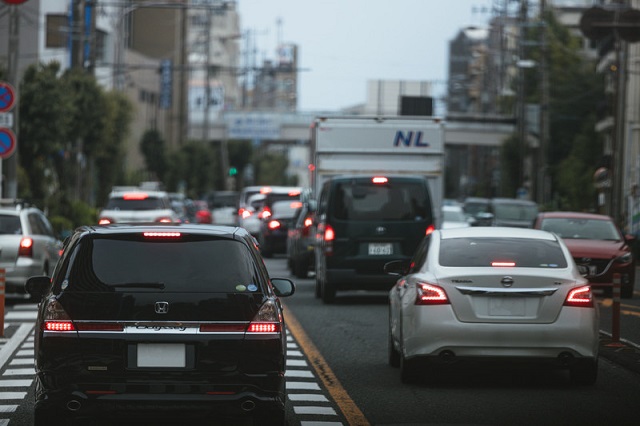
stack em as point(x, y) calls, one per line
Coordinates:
point(150, 203)
point(487, 252)
point(178, 265)
point(366, 201)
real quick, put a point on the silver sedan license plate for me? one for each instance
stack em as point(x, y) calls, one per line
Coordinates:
point(162, 355)
point(380, 249)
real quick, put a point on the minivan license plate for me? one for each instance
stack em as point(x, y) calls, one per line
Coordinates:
point(378, 249)
point(162, 355)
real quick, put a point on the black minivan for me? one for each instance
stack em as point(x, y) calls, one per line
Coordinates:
point(364, 222)
point(148, 322)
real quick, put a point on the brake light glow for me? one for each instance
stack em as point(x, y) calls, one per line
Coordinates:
point(162, 234)
point(430, 229)
point(58, 326)
point(263, 327)
point(503, 264)
point(26, 247)
point(379, 179)
point(164, 220)
point(580, 297)
point(105, 221)
point(329, 234)
point(308, 221)
point(265, 213)
point(135, 196)
point(274, 224)
point(265, 190)
point(295, 205)
point(429, 294)
point(267, 320)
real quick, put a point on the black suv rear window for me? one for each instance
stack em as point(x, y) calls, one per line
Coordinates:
point(368, 201)
point(163, 265)
point(487, 252)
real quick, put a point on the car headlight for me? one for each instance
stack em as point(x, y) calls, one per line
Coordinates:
point(625, 258)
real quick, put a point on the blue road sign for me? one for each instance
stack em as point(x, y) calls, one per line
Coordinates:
point(7, 96)
point(7, 143)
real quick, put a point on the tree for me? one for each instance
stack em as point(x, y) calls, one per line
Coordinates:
point(87, 130)
point(152, 146)
point(575, 94)
point(45, 120)
point(271, 169)
point(194, 167)
point(110, 157)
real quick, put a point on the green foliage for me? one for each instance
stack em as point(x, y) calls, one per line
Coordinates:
point(44, 129)
point(194, 166)
point(152, 146)
point(575, 173)
point(575, 93)
point(68, 125)
point(271, 169)
point(110, 158)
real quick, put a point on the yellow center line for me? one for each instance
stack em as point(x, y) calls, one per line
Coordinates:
point(351, 412)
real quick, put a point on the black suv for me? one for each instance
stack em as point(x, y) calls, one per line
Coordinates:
point(148, 321)
point(364, 222)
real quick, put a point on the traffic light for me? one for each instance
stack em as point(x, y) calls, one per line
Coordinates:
point(233, 171)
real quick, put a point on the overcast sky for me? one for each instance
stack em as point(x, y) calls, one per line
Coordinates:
point(344, 43)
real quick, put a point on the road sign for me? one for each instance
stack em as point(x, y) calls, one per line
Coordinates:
point(7, 143)
point(7, 96)
point(6, 119)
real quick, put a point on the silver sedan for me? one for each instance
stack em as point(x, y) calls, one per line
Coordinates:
point(492, 294)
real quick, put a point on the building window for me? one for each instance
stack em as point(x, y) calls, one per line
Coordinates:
point(57, 30)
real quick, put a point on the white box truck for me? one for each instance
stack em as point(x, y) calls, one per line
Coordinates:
point(378, 145)
point(378, 182)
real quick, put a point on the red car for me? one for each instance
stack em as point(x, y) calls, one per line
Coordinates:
point(596, 243)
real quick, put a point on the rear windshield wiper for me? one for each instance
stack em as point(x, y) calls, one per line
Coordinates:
point(158, 285)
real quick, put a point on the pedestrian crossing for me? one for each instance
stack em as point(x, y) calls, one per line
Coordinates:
point(16, 365)
point(310, 403)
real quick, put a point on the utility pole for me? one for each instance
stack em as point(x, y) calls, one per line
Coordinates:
point(521, 100)
point(543, 181)
point(11, 188)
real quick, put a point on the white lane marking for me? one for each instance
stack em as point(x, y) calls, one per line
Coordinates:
point(307, 397)
point(296, 363)
point(16, 339)
point(320, 423)
point(8, 408)
point(19, 372)
point(322, 411)
point(26, 307)
point(302, 386)
point(25, 352)
point(291, 346)
point(299, 373)
point(12, 395)
point(22, 361)
point(4, 422)
point(294, 353)
point(15, 383)
point(21, 316)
